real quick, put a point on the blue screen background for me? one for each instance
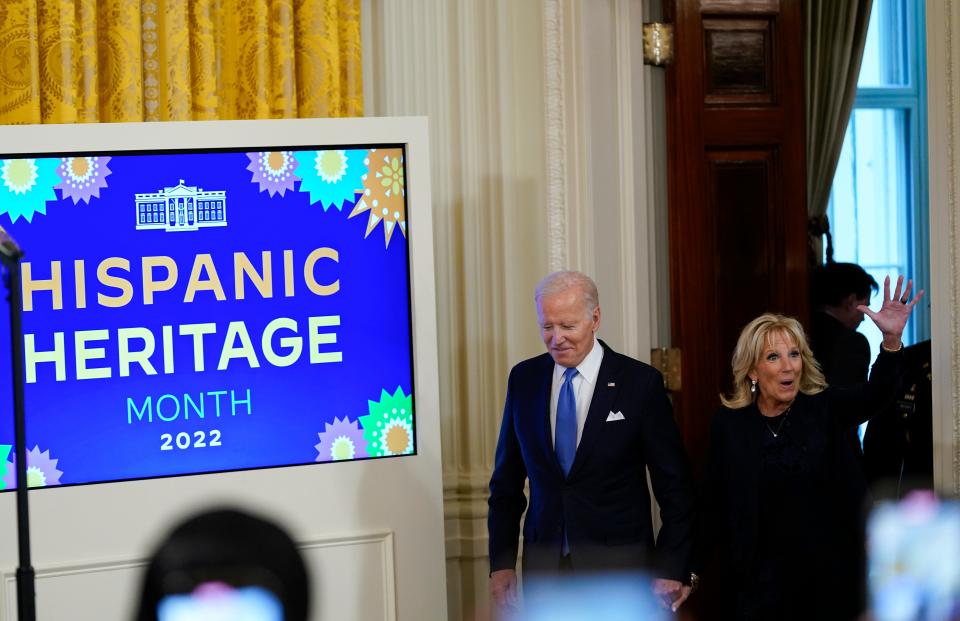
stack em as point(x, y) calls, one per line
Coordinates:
point(83, 424)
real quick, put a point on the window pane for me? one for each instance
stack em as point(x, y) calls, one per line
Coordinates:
point(870, 201)
point(885, 53)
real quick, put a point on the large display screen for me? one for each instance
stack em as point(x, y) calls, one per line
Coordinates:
point(208, 310)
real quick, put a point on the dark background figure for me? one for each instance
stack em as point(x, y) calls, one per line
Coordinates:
point(837, 290)
point(226, 549)
point(843, 353)
point(898, 443)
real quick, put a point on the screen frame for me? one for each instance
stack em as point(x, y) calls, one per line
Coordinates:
point(56, 152)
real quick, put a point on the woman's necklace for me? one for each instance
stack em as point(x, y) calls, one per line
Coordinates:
point(776, 434)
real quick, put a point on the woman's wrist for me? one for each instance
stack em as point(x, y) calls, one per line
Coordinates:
point(891, 344)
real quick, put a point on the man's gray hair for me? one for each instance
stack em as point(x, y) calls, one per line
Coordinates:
point(558, 282)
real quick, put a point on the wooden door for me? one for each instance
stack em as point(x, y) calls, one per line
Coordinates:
point(737, 203)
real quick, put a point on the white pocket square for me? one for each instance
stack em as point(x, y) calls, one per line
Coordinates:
point(615, 416)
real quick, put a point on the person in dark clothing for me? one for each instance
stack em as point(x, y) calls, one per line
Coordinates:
point(582, 427)
point(783, 495)
point(838, 290)
point(898, 444)
point(225, 563)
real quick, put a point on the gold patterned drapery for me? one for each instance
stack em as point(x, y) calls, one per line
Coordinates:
point(74, 61)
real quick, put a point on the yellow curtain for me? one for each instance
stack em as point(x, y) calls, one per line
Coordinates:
point(78, 61)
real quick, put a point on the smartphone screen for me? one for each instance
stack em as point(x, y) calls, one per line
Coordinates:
point(913, 551)
point(600, 597)
point(218, 601)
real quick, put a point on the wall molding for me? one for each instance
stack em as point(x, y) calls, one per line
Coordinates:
point(630, 327)
point(475, 69)
point(525, 181)
point(554, 76)
point(50, 571)
point(382, 537)
point(467, 501)
point(468, 548)
point(952, 138)
point(943, 60)
point(385, 539)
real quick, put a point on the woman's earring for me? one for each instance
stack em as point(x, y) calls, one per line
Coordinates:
point(753, 386)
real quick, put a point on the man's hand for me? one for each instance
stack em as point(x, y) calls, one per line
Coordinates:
point(670, 593)
point(503, 589)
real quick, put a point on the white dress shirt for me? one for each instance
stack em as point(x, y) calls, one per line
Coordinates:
point(584, 384)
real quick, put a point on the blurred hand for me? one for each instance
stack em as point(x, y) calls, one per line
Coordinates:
point(670, 593)
point(503, 589)
point(893, 314)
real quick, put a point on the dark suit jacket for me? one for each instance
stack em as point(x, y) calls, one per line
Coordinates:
point(898, 445)
point(603, 503)
point(844, 357)
point(843, 354)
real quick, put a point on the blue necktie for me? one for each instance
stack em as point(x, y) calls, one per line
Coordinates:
point(565, 441)
point(565, 438)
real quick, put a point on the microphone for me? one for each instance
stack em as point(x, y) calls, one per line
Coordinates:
point(8, 246)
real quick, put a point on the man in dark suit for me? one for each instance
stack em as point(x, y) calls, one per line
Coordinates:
point(843, 353)
point(582, 424)
point(898, 442)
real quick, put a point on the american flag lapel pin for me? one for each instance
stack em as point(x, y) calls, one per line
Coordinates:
point(611, 384)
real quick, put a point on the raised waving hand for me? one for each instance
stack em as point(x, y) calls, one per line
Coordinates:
point(893, 314)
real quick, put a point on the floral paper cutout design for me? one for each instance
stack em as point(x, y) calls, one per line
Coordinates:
point(332, 177)
point(388, 428)
point(82, 178)
point(41, 469)
point(273, 171)
point(383, 193)
point(26, 185)
point(341, 440)
point(4, 452)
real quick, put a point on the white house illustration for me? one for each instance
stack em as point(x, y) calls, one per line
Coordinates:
point(181, 208)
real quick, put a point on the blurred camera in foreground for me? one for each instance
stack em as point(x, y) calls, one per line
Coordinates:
point(913, 571)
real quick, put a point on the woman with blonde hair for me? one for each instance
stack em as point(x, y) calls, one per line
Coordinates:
point(783, 492)
point(753, 340)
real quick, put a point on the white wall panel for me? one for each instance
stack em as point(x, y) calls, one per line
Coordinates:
point(351, 576)
point(943, 102)
point(79, 533)
point(540, 119)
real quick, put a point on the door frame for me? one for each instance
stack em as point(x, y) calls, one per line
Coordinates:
point(943, 107)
